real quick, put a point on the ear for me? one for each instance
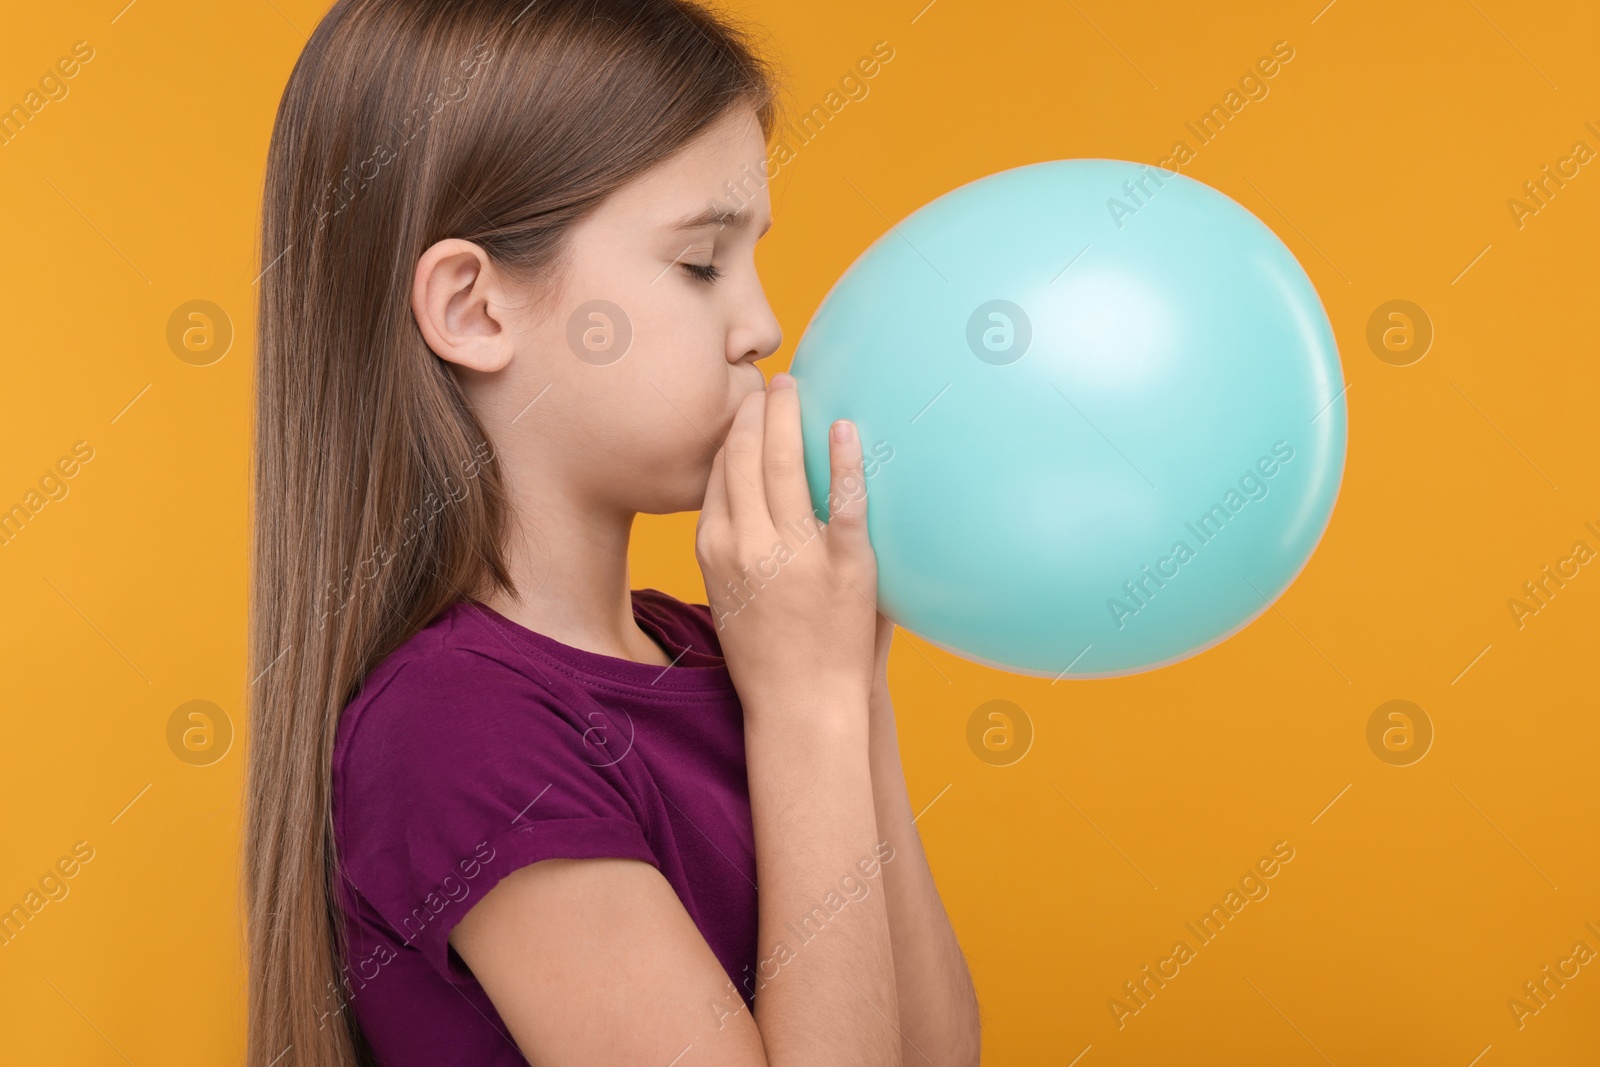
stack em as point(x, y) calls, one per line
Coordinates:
point(458, 302)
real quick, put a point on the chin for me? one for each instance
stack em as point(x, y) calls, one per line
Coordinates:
point(672, 499)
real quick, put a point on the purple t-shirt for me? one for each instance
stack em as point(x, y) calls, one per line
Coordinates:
point(479, 746)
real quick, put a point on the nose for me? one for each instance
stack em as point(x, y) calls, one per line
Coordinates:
point(758, 334)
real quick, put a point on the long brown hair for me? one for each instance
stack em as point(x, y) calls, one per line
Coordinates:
point(378, 501)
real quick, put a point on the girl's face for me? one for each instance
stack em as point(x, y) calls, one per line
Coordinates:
point(620, 387)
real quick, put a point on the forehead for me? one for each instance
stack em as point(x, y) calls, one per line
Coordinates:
point(717, 179)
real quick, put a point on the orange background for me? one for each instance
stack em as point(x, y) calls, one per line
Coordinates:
point(1420, 898)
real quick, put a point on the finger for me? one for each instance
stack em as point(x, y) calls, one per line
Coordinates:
point(847, 486)
point(788, 494)
point(747, 497)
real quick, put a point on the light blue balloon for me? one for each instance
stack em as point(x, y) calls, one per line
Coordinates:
point(1102, 414)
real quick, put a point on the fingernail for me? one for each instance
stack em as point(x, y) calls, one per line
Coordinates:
point(844, 430)
point(781, 381)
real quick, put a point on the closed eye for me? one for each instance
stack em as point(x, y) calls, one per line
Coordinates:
point(707, 273)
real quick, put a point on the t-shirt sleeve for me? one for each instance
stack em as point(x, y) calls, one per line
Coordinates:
point(460, 771)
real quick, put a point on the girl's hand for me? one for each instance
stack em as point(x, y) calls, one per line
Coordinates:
point(880, 653)
point(798, 622)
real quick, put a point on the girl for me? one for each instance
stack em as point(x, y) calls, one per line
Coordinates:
point(503, 807)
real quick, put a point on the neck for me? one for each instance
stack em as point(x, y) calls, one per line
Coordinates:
point(571, 570)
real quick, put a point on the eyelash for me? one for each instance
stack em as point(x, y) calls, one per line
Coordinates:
point(708, 273)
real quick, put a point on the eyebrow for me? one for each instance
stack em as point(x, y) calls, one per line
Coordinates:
point(713, 215)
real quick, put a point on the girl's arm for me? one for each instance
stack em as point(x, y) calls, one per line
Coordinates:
point(596, 961)
point(824, 948)
point(800, 654)
point(938, 1005)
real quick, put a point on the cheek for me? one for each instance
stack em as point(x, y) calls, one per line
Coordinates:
point(686, 372)
point(662, 423)
point(674, 385)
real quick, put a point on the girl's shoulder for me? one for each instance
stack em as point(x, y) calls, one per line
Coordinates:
point(461, 759)
point(690, 623)
point(471, 657)
point(454, 685)
point(440, 649)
